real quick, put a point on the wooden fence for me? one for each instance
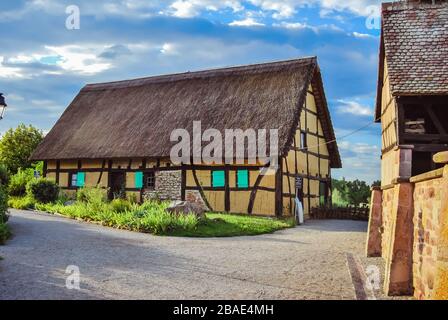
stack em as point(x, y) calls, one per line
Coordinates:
point(347, 213)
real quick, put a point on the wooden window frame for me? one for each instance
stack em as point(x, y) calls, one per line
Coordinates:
point(303, 140)
point(70, 180)
point(145, 180)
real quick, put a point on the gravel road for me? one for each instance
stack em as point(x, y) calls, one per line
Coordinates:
point(308, 262)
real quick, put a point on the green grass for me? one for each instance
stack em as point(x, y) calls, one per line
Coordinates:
point(151, 217)
point(227, 225)
point(21, 203)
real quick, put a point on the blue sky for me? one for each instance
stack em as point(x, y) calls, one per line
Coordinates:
point(43, 65)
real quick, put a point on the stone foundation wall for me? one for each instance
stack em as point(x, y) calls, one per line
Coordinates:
point(414, 237)
point(168, 186)
point(387, 219)
point(427, 208)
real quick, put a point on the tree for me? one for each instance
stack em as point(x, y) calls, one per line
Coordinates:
point(376, 183)
point(357, 192)
point(17, 145)
point(350, 192)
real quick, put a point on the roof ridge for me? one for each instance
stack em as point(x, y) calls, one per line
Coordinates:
point(261, 67)
point(404, 5)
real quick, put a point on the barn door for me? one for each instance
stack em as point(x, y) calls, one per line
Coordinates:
point(117, 184)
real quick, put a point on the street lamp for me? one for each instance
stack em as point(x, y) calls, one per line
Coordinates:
point(3, 106)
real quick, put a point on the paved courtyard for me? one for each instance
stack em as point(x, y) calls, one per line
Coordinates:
point(320, 260)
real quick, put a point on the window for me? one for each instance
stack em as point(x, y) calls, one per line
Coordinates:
point(77, 179)
point(303, 142)
point(139, 180)
point(218, 179)
point(81, 179)
point(323, 193)
point(150, 181)
point(242, 179)
point(73, 180)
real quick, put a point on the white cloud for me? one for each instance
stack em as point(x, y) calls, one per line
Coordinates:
point(9, 72)
point(169, 49)
point(248, 22)
point(192, 8)
point(14, 97)
point(302, 26)
point(82, 59)
point(355, 108)
point(363, 35)
point(364, 157)
point(291, 25)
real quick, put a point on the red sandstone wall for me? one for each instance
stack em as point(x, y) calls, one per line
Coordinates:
point(388, 220)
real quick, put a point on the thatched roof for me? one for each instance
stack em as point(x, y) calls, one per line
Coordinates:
point(414, 41)
point(135, 118)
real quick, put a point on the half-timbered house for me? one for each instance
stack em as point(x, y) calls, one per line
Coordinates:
point(412, 99)
point(117, 136)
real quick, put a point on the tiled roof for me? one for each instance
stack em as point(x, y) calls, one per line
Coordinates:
point(416, 48)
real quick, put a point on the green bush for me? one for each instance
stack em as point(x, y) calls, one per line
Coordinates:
point(4, 233)
point(120, 205)
point(21, 203)
point(18, 182)
point(4, 175)
point(91, 195)
point(3, 205)
point(43, 190)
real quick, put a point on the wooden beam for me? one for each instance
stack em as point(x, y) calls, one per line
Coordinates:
point(430, 147)
point(253, 194)
point(435, 119)
point(425, 137)
point(183, 184)
point(279, 188)
point(227, 190)
point(201, 192)
point(58, 169)
point(289, 183)
point(103, 167)
point(422, 100)
point(401, 119)
point(441, 157)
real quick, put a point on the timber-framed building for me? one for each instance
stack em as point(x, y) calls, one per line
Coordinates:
point(117, 136)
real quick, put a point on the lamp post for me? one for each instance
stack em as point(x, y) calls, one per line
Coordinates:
point(3, 106)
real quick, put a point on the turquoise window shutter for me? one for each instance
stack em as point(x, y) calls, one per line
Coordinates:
point(81, 181)
point(218, 179)
point(243, 179)
point(139, 180)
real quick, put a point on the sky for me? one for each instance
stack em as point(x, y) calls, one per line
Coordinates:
point(44, 62)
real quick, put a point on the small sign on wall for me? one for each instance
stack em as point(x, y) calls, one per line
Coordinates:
point(299, 183)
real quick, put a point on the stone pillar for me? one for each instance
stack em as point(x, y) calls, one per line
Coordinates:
point(405, 166)
point(441, 278)
point(375, 223)
point(398, 274)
